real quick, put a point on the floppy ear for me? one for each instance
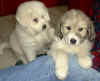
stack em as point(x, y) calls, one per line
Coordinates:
point(22, 18)
point(91, 32)
point(60, 34)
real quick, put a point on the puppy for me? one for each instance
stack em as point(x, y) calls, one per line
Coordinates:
point(77, 35)
point(33, 33)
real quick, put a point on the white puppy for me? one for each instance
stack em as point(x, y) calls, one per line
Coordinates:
point(33, 33)
point(77, 35)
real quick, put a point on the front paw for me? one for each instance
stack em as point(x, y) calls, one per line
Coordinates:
point(85, 62)
point(31, 58)
point(61, 72)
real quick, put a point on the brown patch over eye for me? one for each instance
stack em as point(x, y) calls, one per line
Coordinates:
point(35, 20)
point(68, 28)
point(80, 29)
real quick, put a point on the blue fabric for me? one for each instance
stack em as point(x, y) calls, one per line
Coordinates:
point(42, 69)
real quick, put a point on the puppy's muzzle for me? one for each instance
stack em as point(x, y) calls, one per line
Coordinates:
point(73, 41)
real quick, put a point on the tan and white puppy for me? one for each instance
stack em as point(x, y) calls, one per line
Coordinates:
point(77, 35)
point(33, 33)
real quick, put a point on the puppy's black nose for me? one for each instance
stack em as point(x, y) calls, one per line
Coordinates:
point(73, 41)
point(44, 27)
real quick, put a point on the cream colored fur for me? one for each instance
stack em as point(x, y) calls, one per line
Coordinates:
point(62, 47)
point(29, 37)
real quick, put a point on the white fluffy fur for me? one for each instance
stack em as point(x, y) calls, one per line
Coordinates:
point(28, 38)
point(61, 48)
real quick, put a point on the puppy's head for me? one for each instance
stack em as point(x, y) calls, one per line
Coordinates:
point(33, 15)
point(76, 27)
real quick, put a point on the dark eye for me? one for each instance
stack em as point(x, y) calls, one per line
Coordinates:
point(68, 28)
point(35, 20)
point(80, 29)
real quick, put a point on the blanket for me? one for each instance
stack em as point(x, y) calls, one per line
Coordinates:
point(42, 69)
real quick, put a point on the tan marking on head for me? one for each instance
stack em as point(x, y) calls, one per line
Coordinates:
point(79, 24)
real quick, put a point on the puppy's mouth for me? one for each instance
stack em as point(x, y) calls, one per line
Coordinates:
point(43, 28)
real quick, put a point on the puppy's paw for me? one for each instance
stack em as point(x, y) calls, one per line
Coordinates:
point(61, 73)
point(31, 58)
point(85, 62)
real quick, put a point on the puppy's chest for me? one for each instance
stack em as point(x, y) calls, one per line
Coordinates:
point(40, 40)
point(71, 50)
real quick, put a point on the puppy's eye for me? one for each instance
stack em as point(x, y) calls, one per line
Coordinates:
point(35, 20)
point(80, 29)
point(68, 28)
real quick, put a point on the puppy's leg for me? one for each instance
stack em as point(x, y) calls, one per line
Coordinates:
point(61, 64)
point(84, 60)
point(30, 53)
point(18, 56)
point(23, 59)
